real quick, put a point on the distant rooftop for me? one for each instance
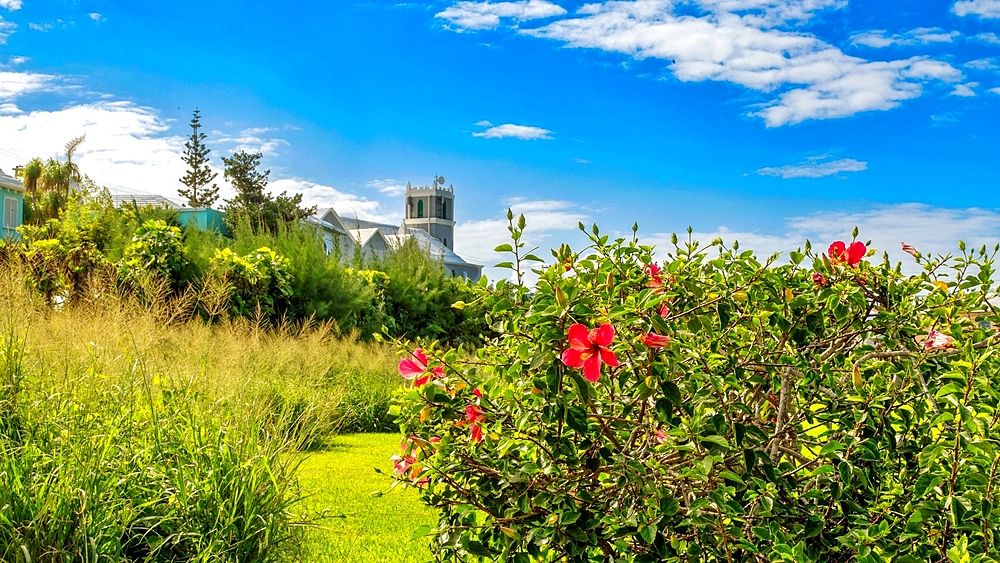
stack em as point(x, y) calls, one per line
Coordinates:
point(10, 182)
point(127, 196)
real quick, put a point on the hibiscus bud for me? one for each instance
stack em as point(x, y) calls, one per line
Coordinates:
point(664, 311)
point(910, 250)
point(856, 377)
point(654, 340)
point(561, 297)
point(611, 282)
point(819, 279)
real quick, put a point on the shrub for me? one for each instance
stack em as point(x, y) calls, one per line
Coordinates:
point(259, 282)
point(156, 252)
point(717, 408)
point(322, 289)
point(420, 295)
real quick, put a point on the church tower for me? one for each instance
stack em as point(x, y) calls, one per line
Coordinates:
point(432, 209)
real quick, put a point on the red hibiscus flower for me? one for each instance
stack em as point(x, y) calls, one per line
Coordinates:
point(415, 369)
point(819, 279)
point(910, 250)
point(840, 253)
point(938, 341)
point(655, 279)
point(654, 340)
point(474, 416)
point(588, 350)
point(664, 311)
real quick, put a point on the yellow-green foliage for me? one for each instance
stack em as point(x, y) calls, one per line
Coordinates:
point(258, 283)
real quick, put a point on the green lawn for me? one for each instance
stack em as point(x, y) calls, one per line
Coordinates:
point(341, 481)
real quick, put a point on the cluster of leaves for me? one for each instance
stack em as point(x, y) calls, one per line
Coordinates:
point(420, 298)
point(156, 251)
point(258, 282)
point(807, 410)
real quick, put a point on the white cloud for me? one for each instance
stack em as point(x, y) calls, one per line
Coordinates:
point(250, 140)
point(9, 109)
point(995, 90)
point(771, 13)
point(483, 123)
point(387, 186)
point(39, 26)
point(126, 144)
point(920, 36)
point(11, 5)
point(738, 41)
point(486, 15)
point(931, 230)
point(346, 204)
point(98, 18)
point(6, 30)
point(816, 167)
point(476, 240)
point(16, 84)
point(965, 90)
point(989, 38)
point(981, 8)
point(982, 64)
point(523, 132)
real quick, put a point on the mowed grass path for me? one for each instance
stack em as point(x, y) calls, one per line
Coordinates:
point(341, 480)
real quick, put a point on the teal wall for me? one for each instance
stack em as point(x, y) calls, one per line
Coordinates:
point(17, 196)
point(204, 218)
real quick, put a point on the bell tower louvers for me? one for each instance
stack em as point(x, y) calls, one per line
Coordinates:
point(432, 209)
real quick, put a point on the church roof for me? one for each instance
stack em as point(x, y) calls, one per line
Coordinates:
point(327, 217)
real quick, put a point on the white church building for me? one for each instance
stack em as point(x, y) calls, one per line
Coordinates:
point(429, 218)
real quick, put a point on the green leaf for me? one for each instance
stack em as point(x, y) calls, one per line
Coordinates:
point(420, 531)
point(568, 517)
point(830, 447)
point(729, 475)
point(648, 533)
point(717, 440)
point(576, 418)
point(672, 392)
point(504, 248)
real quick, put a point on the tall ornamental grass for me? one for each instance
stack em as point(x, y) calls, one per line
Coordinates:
point(129, 435)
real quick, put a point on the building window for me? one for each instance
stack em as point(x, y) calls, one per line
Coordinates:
point(444, 209)
point(446, 242)
point(420, 209)
point(9, 213)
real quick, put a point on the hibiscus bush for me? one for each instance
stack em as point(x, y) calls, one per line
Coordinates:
point(715, 406)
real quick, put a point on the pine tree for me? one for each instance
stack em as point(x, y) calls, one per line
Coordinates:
point(199, 174)
point(253, 203)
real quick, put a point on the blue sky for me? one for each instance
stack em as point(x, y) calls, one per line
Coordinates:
point(763, 120)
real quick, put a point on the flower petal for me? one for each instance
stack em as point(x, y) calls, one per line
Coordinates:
point(609, 357)
point(837, 251)
point(856, 252)
point(603, 335)
point(573, 358)
point(409, 368)
point(477, 434)
point(420, 356)
point(578, 338)
point(592, 368)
